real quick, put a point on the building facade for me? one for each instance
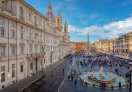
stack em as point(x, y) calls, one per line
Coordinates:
point(29, 41)
point(104, 46)
point(80, 46)
point(123, 45)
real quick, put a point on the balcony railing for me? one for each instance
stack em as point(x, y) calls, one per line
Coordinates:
point(36, 55)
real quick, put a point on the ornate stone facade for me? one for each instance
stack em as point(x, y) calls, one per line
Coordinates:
point(104, 45)
point(29, 41)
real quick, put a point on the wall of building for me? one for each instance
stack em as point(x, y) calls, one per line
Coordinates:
point(119, 46)
point(28, 42)
point(104, 46)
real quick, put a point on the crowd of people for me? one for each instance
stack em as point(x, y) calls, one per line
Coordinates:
point(110, 63)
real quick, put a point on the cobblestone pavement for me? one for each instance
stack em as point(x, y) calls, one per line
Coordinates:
point(35, 83)
point(53, 80)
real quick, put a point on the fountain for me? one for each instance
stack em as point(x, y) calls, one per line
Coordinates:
point(101, 77)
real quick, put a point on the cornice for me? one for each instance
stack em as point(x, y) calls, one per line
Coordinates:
point(14, 18)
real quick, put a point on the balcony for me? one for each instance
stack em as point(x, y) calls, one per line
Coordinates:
point(36, 55)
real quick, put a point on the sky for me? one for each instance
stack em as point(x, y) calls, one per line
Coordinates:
point(102, 19)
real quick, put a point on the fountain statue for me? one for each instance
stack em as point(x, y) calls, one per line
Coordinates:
point(101, 73)
point(101, 70)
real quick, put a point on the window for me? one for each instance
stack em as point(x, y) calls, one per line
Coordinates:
point(42, 49)
point(36, 35)
point(2, 50)
point(2, 77)
point(13, 24)
point(30, 35)
point(9, 6)
point(29, 16)
point(36, 48)
point(13, 34)
point(21, 13)
point(30, 48)
point(2, 31)
point(13, 70)
point(2, 73)
point(35, 20)
point(21, 49)
point(22, 33)
point(13, 50)
point(2, 28)
point(31, 66)
point(6, 5)
point(44, 60)
point(2, 68)
point(21, 68)
point(2, 2)
point(41, 63)
point(13, 29)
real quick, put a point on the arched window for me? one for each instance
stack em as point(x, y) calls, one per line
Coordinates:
point(21, 13)
point(22, 33)
point(2, 28)
point(2, 73)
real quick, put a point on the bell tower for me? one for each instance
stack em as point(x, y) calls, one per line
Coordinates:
point(58, 22)
point(49, 11)
point(66, 36)
point(66, 27)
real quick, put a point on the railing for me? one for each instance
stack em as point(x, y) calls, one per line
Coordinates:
point(35, 55)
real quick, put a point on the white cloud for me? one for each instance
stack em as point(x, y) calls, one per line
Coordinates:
point(122, 26)
point(107, 31)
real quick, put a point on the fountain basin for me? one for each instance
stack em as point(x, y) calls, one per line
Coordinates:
point(107, 78)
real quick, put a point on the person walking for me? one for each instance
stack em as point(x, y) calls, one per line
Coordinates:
point(75, 82)
point(120, 85)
